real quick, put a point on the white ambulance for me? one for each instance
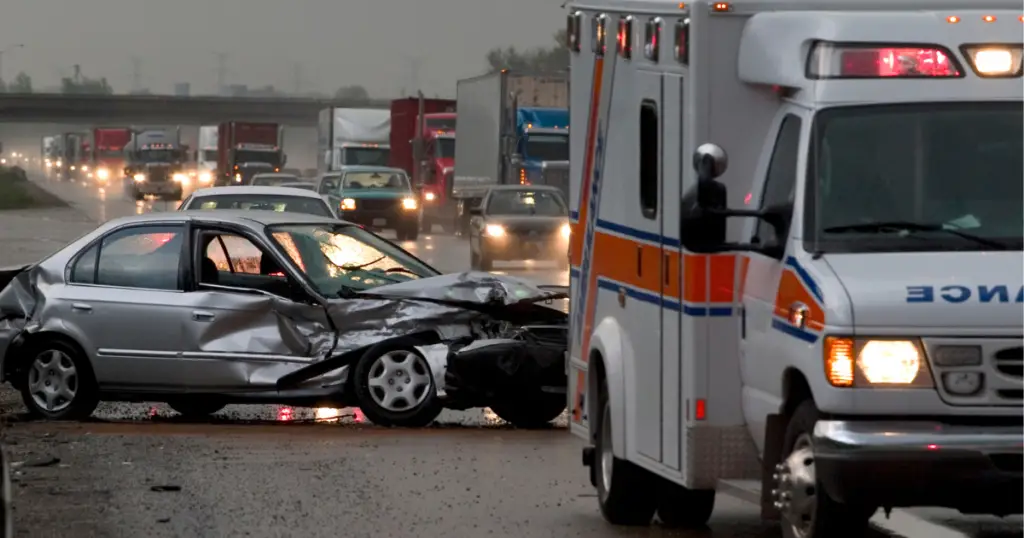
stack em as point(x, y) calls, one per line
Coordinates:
point(855, 342)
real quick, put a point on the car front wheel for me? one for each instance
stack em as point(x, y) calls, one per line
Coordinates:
point(395, 387)
point(58, 383)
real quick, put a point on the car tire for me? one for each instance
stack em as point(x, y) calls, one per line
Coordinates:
point(830, 519)
point(626, 493)
point(394, 386)
point(683, 508)
point(413, 232)
point(400, 234)
point(196, 407)
point(536, 411)
point(57, 382)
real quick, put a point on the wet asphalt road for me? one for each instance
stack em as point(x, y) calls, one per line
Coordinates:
point(260, 470)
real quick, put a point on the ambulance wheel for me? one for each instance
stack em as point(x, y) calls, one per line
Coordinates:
point(625, 492)
point(683, 508)
point(807, 510)
point(534, 411)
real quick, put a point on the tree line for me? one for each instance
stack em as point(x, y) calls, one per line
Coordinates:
point(22, 83)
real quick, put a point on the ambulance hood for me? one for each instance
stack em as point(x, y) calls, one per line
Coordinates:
point(933, 290)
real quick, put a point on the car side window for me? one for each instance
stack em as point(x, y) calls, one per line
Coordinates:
point(234, 254)
point(139, 257)
point(233, 260)
point(328, 185)
point(780, 183)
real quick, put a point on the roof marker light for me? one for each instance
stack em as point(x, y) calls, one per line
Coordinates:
point(989, 18)
point(721, 7)
point(863, 60)
point(952, 19)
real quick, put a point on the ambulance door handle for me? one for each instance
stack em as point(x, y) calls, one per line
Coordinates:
point(639, 260)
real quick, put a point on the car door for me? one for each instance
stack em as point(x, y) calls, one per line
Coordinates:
point(245, 330)
point(124, 302)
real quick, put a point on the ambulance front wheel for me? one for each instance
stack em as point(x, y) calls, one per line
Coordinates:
point(807, 510)
point(626, 493)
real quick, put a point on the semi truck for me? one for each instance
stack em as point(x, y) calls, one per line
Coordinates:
point(245, 149)
point(108, 152)
point(796, 259)
point(50, 153)
point(206, 155)
point(353, 136)
point(74, 155)
point(423, 144)
point(155, 162)
point(495, 130)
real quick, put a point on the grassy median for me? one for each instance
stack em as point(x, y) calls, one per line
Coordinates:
point(17, 192)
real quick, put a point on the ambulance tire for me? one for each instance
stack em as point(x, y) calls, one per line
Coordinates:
point(683, 508)
point(534, 412)
point(626, 493)
point(831, 519)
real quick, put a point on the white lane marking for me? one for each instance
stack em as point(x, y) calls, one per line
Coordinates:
point(901, 523)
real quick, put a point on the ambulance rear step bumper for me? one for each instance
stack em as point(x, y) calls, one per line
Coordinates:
point(975, 469)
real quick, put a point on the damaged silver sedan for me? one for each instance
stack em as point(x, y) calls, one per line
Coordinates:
point(203, 309)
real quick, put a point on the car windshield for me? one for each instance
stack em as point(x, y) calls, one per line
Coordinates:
point(157, 155)
point(263, 202)
point(209, 155)
point(336, 258)
point(371, 156)
point(445, 148)
point(440, 124)
point(272, 181)
point(547, 148)
point(109, 153)
point(303, 186)
point(950, 166)
point(526, 202)
point(376, 180)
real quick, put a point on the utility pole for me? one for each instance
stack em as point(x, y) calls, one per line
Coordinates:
point(297, 78)
point(222, 70)
point(136, 74)
point(414, 70)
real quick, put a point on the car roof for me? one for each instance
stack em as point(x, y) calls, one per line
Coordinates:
point(258, 190)
point(525, 188)
point(248, 218)
point(274, 174)
point(369, 168)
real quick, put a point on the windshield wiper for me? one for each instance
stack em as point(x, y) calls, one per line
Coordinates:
point(357, 267)
point(899, 225)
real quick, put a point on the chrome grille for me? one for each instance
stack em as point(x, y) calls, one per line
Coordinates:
point(1000, 369)
point(376, 204)
point(157, 174)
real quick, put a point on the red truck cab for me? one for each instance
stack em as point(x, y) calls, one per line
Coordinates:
point(425, 149)
point(108, 153)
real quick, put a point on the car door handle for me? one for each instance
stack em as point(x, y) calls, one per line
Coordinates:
point(81, 307)
point(202, 315)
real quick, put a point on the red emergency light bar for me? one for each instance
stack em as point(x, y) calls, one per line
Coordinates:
point(873, 61)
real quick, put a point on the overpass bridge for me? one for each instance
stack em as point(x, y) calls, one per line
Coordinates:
point(166, 109)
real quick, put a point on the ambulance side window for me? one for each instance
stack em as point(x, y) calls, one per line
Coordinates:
point(780, 185)
point(649, 181)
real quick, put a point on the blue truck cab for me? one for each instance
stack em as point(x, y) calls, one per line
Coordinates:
point(542, 146)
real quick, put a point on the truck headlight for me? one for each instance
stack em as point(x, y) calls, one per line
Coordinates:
point(103, 173)
point(409, 204)
point(180, 178)
point(139, 178)
point(429, 196)
point(348, 204)
point(867, 362)
point(566, 231)
point(494, 230)
point(205, 177)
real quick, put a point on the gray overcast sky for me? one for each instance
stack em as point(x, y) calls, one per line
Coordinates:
point(338, 42)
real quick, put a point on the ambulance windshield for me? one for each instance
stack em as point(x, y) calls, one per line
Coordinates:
point(938, 167)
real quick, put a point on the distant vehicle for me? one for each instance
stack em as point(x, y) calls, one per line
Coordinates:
point(260, 198)
point(202, 309)
point(513, 130)
point(155, 161)
point(74, 155)
point(353, 136)
point(206, 155)
point(376, 196)
point(423, 144)
point(270, 179)
point(305, 185)
point(108, 153)
point(245, 148)
point(519, 222)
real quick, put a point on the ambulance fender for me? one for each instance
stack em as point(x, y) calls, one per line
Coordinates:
point(607, 345)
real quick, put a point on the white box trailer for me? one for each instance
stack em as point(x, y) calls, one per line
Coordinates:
point(854, 342)
point(354, 136)
point(206, 153)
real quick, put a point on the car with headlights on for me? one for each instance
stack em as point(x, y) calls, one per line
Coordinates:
point(280, 199)
point(201, 309)
point(519, 222)
point(376, 196)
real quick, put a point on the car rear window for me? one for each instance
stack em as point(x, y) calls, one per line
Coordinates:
point(263, 202)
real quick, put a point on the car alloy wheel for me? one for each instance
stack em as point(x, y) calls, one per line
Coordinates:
point(395, 387)
point(58, 382)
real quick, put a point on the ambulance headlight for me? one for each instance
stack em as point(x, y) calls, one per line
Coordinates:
point(876, 362)
point(994, 61)
point(494, 230)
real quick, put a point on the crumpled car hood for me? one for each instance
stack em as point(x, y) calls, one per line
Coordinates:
point(471, 289)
